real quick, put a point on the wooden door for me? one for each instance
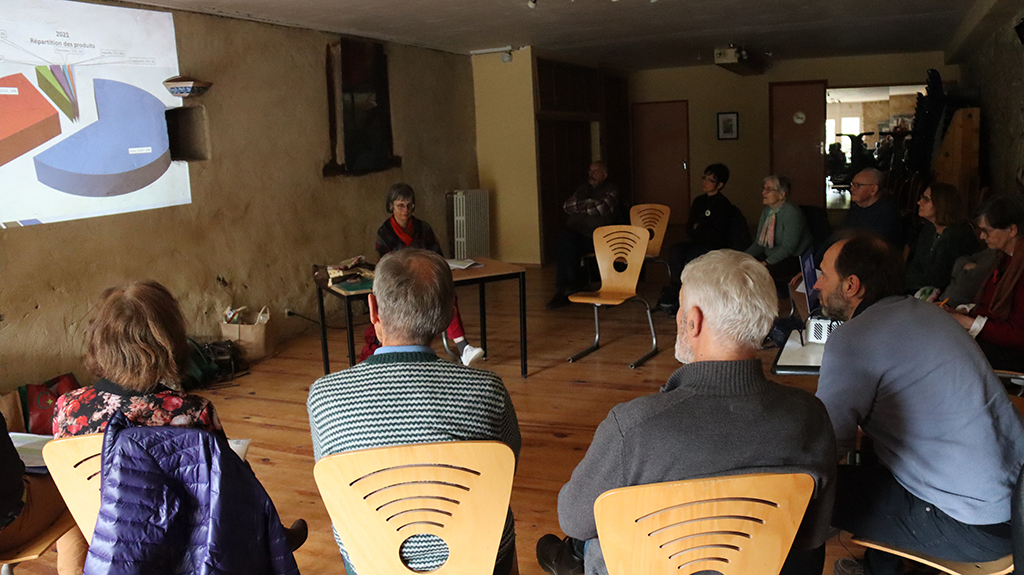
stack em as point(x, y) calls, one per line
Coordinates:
point(796, 126)
point(661, 138)
point(564, 156)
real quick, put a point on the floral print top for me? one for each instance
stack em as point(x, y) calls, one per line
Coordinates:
point(87, 410)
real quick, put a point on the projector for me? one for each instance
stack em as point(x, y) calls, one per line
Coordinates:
point(819, 328)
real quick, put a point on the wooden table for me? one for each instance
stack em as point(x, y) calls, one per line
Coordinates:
point(490, 271)
point(798, 357)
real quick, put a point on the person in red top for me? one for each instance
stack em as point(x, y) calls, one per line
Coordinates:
point(996, 319)
point(403, 230)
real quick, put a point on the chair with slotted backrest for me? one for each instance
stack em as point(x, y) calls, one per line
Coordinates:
point(457, 491)
point(617, 246)
point(37, 546)
point(74, 464)
point(654, 218)
point(735, 525)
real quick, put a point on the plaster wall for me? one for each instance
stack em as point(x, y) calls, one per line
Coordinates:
point(710, 89)
point(996, 69)
point(261, 213)
point(506, 146)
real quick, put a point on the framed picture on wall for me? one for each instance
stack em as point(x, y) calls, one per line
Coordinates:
point(728, 125)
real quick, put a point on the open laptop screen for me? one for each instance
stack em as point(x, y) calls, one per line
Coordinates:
point(810, 276)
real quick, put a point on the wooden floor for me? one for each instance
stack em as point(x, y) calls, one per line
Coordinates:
point(559, 405)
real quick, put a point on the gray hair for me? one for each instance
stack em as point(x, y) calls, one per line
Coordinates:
point(399, 191)
point(415, 294)
point(736, 294)
point(781, 182)
point(876, 176)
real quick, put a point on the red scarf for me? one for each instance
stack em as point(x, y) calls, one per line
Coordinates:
point(404, 235)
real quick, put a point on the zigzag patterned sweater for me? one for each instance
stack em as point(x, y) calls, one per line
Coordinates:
point(411, 397)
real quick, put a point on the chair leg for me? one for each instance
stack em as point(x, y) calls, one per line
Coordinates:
point(444, 339)
point(597, 340)
point(654, 337)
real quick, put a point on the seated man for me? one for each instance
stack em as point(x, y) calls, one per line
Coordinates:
point(593, 205)
point(405, 394)
point(949, 443)
point(717, 415)
point(710, 227)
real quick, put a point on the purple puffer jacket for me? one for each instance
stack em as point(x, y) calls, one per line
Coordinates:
point(178, 500)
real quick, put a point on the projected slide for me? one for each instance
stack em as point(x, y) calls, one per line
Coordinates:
point(82, 125)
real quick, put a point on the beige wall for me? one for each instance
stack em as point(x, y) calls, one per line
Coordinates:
point(710, 89)
point(506, 146)
point(261, 212)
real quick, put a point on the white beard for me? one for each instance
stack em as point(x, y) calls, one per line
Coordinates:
point(684, 351)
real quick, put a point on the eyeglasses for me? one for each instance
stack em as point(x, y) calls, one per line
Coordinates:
point(926, 199)
point(767, 189)
point(987, 231)
point(404, 206)
point(709, 179)
point(856, 185)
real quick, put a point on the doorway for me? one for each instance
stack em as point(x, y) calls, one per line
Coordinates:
point(661, 171)
point(796, 127)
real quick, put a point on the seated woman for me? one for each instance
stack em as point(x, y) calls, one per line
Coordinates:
point(403, 230)
point(782, 232)
point(945, 236)
point(29, 504)
point(138, 348)
point(996, 319)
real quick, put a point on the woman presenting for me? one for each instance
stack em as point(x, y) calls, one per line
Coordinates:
point(403, 230)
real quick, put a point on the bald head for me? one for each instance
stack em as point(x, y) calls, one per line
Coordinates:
point(866, 187)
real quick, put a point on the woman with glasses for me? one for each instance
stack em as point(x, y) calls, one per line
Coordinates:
point(403, 230)
point(782, 232)
point(945, 236)
point(996, 319)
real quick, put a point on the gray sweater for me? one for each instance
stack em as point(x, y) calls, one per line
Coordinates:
point(711, 419)
point(919, 386)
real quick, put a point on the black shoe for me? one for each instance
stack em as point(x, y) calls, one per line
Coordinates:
point(559, 300)
point(557, 557)
point(296, 534)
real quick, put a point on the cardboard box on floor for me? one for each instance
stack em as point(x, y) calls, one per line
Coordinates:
point(254, 339)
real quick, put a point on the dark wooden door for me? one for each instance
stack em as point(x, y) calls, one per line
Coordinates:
point(564, 153)
point(661, 148)
point(797, 137)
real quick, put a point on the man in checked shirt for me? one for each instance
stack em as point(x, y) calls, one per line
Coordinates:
point(593, 205)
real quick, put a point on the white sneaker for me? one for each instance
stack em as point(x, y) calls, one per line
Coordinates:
point(471, 355)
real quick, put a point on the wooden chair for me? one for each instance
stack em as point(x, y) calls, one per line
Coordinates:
point(735, 525)
point(457, 491)
point(74, 464)
point(1000, 566)
point(653, 218)
point(623, 245)
point(33, 549)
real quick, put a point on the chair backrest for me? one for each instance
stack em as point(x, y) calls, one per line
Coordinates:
point(623, 245)
point(653, 217)
point(457, 491)
point(734, 525)
point(74, 464)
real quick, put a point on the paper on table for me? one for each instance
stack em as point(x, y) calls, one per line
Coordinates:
point(462, 264)
point(240, 446)
point(30, 449)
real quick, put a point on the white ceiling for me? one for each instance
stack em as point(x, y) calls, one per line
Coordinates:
point(625, 34)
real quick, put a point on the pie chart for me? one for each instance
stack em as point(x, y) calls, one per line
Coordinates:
point(123, 151)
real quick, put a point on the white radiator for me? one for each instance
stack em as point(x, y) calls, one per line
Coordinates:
point(469, 219)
